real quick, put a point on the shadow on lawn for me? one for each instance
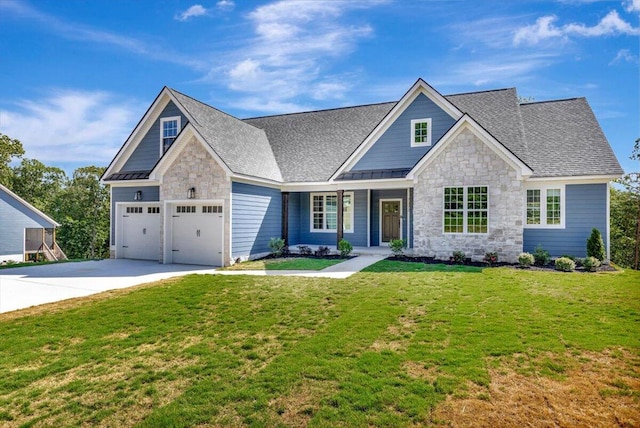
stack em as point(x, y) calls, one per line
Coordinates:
point(393, 264)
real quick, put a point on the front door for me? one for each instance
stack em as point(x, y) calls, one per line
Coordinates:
point(390, 220)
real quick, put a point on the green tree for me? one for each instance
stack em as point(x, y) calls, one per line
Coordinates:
point(10, 148)
point(631, 183)
point(595, 245)
point(623, 225)
point(83, 212)
point(37, 183)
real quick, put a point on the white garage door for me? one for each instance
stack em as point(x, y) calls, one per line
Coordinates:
point(140, 237)
point(197, 232)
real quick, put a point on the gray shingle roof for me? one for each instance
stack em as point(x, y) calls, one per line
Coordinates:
point(242, 147)
point(312, 146)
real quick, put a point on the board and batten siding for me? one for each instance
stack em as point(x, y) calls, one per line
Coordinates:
point(256, 215)
point(359, 236)
point(586, 208)
point(126, 194)
point(376, 196)
point(15, 217)
point(145, 156)
point(393, 149)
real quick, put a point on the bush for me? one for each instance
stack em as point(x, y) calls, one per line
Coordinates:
point(322, 251)
point(491, 258)
point(565, 264)
point(276, 245)
point(397, 246)
point(304, 250)
point(591, 264)
point(526, 259)
point(458, 257)
point(345, 248)
point(541, 256)
point(595, 245)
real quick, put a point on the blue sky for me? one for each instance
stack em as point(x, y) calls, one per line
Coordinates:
point(76, 76)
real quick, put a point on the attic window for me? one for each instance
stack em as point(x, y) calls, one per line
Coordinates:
point(421, 132)
point(169, 129)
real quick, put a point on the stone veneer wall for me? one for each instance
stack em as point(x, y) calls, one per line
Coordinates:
point(195, 167)
point(467, 161)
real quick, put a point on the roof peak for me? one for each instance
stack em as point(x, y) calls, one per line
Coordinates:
point(320, 110)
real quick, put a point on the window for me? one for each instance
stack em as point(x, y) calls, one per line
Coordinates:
point(420, 132)
point(169, 129)
point(153, 210)
point(466, 209)
point(211, 209)
point(185, 209)
point(324, 212)
point(545, 207)
point(134, 210)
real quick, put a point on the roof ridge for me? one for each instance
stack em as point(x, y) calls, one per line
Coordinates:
point(553, 101)
point(321, 110)
point(481, 92)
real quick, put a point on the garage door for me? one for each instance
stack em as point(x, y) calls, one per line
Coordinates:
point(140, 232)
point(197, 232)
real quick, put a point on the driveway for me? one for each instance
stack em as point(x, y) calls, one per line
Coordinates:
point(34, 285)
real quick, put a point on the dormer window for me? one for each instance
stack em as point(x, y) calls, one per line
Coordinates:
point(169, 128)
point(420, 132)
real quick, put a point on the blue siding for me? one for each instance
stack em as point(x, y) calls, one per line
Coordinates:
point(14, 218)
point(376, 195)
point(359, 236)
point(125, 194)
point(145, 156)
point(294, 219)
point(256, 213)
point(586, 208)
point(393, 148)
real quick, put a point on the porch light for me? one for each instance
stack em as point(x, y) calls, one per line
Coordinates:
point(191, 193)
point(138, 195)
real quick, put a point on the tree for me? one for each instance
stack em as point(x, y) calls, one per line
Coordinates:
point(631, 183)
point(37, 183)
point(623, 226)
point(595, 245)
point(10, 148)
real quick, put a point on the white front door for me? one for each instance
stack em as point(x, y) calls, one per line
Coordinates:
point(197, 231)
point(140, 232)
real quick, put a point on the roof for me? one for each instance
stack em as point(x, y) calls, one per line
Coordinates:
point(30, 207)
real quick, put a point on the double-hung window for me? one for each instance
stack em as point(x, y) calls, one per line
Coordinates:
point(324, 212)
point(169, 129)
point(466, 209)
point(545, 207)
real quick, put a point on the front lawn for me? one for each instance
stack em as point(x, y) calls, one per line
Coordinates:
point(288, 263)
point(500, 347)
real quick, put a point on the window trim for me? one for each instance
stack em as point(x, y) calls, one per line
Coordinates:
point(426, 120)
point(324, 204)
point(543, 206)
point(178, 120)
point(465, 211)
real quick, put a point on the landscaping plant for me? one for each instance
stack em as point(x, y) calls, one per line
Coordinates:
point(595, 245)
point(322, 251)
point(565, 264)
point(458, 257)
point(397, 246)
point(345, 248)
point(526, 260)
point(591, 264)
point(491, 258)
point(276, 245)
point(304, 250)
point(541, 256)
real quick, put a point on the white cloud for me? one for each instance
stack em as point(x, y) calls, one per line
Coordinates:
point(545, 28)
point(624, 55)
point(77, 126)
point(225, 5)
point(632, 5)
point(191, 12)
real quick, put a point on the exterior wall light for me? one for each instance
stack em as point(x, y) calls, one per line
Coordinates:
point(138, 195)
point(191, 193)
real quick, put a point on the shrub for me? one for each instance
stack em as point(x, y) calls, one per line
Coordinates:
point(565, 265)
point(491, 258)
point(322, 251)
point(276, 245)
point(458, 257)
point(541, 256)
point(345, 248)
point(526, 259)
point(595, 245)
point(304, 250)
point(397, 246)
point(591, 264)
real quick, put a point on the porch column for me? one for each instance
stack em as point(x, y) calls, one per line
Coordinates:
point(285, 218)
point(339, 227)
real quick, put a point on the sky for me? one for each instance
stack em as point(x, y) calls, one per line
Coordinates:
point(76, 76)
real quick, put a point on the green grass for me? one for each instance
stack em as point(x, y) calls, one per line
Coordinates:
point(377, 349)
point(397, 266)
point(291, 263)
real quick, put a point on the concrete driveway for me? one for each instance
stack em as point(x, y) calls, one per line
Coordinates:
point(34, 285)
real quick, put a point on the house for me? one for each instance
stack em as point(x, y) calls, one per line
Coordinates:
point(474, 172)
point(25, 231)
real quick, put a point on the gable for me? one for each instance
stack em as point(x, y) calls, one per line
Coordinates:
point(17, 213)
point(393, 149)
point(147, 153)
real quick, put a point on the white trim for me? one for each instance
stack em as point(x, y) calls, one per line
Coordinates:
point(368, 217)
point(230, 261)
point(414, 122)
point(178, 119)
point(132, 183)
point(380, 241)
point(420, 87)
point(30, 207)
point(465, 211)
point(467, 122)
point(409, 224)
point(324, 194)
point(543, 206)
point(240, 178)
point(608, 232)
point(585, 179)
point(391, 183)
